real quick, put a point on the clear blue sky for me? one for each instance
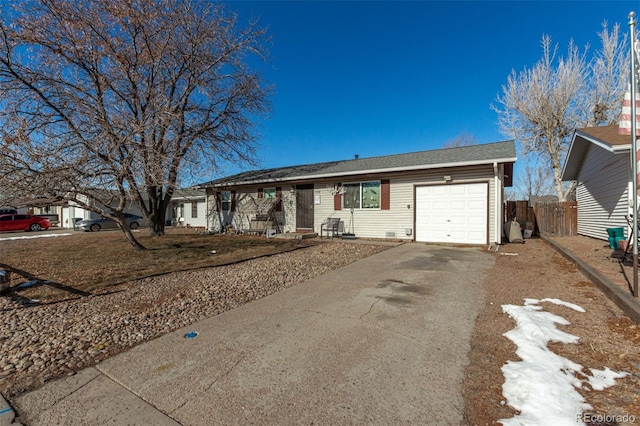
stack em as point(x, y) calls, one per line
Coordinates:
point(379, 78)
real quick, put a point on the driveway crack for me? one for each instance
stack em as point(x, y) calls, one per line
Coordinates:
point(370, 308)
point(242, 358)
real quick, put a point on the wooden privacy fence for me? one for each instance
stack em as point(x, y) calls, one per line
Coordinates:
point(559, 219)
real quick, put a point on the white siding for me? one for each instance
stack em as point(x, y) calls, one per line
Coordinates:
point(200, 219)
point(377, 223)
point(602, 192)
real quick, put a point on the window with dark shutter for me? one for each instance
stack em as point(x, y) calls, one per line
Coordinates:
point(385, 194)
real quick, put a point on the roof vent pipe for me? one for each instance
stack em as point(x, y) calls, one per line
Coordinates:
point(356, 156)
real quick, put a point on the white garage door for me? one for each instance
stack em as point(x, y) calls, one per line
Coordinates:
point(456, 213)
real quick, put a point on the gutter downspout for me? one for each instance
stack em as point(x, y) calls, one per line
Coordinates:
point(497, 204)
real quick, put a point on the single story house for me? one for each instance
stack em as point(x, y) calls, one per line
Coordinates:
point(599, 160)
point(452, 195)
point(187, 208)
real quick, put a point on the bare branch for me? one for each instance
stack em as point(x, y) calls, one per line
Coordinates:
point(111, 97)
point(541, 106)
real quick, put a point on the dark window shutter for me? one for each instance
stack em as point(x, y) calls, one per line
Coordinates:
point(218, 201)
point(279, 197)
point(385, 194)
point(233, 201)
point(337, 200)
point(260, 193)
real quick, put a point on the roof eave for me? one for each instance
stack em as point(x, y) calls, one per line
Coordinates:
point(577, 151)
point(367, 171)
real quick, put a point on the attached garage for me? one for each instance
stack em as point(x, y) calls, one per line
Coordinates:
point(452, 213)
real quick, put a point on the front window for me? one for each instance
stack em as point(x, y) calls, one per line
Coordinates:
point(351, 196)
point(226, 200)
point(365, 195)
point(371, 195)
point(269, 193)
point(194, 210)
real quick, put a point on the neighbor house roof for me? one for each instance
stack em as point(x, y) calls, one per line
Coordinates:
point(499, 152)
point(188, 193)
point(605, 137)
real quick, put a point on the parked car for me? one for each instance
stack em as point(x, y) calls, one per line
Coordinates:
point(23, 222)
point(133, 221)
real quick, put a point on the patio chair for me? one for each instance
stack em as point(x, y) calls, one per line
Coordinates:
point(330, 226)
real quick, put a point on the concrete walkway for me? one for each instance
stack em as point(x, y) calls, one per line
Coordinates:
point(381, 341)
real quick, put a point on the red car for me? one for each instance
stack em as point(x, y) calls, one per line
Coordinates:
point(23, 222)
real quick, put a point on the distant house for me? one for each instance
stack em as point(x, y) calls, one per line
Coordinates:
point(599, 161)
point(188, 208)
point(450, 195)
point(51, 208)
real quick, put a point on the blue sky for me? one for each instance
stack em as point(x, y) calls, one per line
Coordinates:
point(380, 78)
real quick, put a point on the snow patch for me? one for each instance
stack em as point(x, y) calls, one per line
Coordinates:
point(29, 237)
point(542, 387)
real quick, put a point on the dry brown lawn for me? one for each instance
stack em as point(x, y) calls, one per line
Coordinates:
point(608, 338)
point(90, 263)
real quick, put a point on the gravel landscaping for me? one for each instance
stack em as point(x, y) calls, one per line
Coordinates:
point(40, 343)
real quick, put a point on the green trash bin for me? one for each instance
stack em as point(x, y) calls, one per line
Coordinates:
point(615, 235)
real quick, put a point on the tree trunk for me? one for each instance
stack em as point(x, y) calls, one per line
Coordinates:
point(557, 178)
point(156, 228)
point(129, 235)
point(157, 210)
point(157, 218)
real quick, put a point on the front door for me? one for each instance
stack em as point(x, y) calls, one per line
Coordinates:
point(304, 208)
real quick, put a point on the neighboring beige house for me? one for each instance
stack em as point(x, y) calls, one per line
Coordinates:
point(599, 160)
point(450, 195)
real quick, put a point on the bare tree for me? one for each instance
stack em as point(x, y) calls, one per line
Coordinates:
point(104, 102)
point(540, 107)
point(461, 139)
point(536, 181)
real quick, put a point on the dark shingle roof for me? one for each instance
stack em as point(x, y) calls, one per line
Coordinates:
point(607, 134)
point(450, 157)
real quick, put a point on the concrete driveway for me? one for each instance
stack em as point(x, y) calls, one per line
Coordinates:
point(381, 341)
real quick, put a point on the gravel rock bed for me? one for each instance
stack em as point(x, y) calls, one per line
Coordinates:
point(40, 343)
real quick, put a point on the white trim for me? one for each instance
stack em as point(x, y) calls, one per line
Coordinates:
point(602, 144)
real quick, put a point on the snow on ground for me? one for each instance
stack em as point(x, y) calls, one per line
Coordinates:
point(28, 237)
point(542, 387)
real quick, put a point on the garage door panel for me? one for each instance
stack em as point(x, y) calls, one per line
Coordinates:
point(476, 235)
point(477, 220)
point(457, 190)
point(438, 190)
point(440, 204)
point(458, 204)
point(480, 190)
point(455, 213)
point(477, 204)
